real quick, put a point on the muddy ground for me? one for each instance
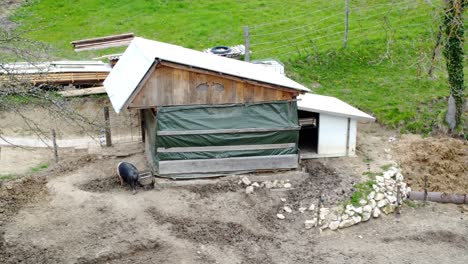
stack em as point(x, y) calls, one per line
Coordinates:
point(76, 212)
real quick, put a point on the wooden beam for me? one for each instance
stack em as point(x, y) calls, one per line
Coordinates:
point(228, 164)
point(83, 92)
point(107, 127)
point(141, 116)
point(156, 106)
point(227, 148)
point(103, 42)
point(223, 131)
point(106, 38)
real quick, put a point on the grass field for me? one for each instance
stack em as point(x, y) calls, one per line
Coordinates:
point(383, 69)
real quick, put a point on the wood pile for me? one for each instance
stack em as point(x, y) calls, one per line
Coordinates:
point(103, 42)
point(58, 78)
point(91, 73)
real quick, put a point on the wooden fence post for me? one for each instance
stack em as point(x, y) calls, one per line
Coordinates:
point(107, 127)
point(425, 189)
point(54, 142)
point(345, 41)
point(247, 44)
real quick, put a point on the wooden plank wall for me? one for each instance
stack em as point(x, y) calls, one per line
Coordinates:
point(175, 86)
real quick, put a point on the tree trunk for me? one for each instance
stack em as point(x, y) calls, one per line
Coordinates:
point(453, 52)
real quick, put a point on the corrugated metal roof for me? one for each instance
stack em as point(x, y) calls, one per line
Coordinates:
point(141, 54)
point(330, 105)
point(54, 67)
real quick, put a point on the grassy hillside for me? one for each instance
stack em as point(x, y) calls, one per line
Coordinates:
point(383, 69)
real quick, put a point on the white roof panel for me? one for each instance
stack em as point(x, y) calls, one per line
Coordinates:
point(141, 53)
point(126, 75)
point(330, 105)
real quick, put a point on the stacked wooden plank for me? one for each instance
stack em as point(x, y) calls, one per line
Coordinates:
point(58, 78)
point(103, 42)
point(58, 72)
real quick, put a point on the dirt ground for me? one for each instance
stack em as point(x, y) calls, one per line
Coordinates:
point(12, 162)
point(444, 161)
point(76, 212)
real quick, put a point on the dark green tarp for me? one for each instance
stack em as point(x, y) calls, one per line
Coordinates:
point(224, 154)
point(259, 115)
point(251, 138)
point(278, 119)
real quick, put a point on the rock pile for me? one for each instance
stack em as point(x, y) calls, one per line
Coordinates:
point(387, 193)
point(250, 186)
point(382, 198)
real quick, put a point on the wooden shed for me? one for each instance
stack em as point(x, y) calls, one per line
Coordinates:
point(206, 115)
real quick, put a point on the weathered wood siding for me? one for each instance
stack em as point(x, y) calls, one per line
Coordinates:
point(150, 137)
point(176, 86)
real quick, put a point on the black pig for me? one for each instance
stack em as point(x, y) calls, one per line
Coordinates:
point(129, 174)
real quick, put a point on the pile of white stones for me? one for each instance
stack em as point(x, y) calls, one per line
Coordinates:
point(250, 186)
point(383, 198)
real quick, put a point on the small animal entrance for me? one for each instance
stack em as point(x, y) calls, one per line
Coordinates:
point(308, 135)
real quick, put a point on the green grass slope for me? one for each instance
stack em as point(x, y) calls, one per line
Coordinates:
point(383, 69)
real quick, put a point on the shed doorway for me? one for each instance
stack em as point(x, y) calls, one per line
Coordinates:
point(309, 133)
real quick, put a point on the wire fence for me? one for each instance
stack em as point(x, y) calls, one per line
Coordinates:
point(125, 127)
point(325, 28)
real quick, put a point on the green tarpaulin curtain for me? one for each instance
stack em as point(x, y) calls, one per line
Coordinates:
point(278, 119)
